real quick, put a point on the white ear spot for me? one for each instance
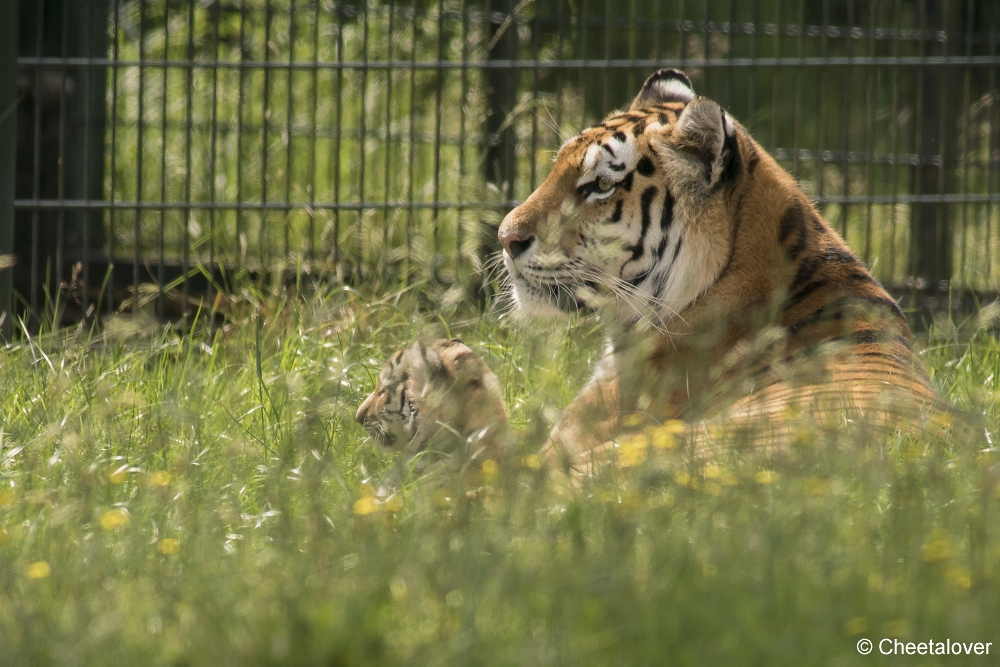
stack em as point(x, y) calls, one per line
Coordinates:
point(673, 89)
point(666, 85)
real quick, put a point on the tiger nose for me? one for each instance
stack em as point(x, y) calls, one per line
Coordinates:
point(514, 244)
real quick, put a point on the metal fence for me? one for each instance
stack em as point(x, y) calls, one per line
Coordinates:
point(168, 147)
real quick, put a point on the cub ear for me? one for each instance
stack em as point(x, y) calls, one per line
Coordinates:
point(667, 85)
point(423, 361)
point(707, 131)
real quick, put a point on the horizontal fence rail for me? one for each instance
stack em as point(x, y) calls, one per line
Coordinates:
point(168, 148)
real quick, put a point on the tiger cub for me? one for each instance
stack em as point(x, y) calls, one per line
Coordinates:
point(442, 396)
point(716, 279)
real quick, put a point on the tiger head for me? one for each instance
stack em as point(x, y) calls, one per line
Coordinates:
point(636, 213)
point(438, 393)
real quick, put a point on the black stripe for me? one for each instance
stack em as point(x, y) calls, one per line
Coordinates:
point(841, 256)
point(730, 155)
point(637, 280)
point(837, 308)
point(818, 223)
point(645, 167)
point(661, 248)
point(806, 270)
point(677, 251)
point(626, 182)
point(647, 202)
point(617, 215)
point(862, 278)
point(616, 166)
point(639, 127)
point(620, 136)
point(753, 160)
point(799, 296)
point(664, 119)
point(667, 214)
point(665, 278)
point(792, 222)
point(402, 391)
point(608, 149)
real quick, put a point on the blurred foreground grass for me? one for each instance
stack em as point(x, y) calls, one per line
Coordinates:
point(201, 499)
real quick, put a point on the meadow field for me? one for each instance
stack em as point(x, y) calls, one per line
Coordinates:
point(206, 498)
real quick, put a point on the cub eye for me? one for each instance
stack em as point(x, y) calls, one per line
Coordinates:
point(604, 185)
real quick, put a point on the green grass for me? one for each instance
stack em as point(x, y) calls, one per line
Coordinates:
point(193, 499)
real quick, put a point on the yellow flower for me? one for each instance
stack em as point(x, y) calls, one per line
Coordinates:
point(856, 625)
point(168, 545)
point(117, 476)
point(632, 420)
point(159, 478)
point(682, 477)
point(815, 486)
point(632, 451)
point(7, 497)
point(38, 570)
point(393, 503)
point(765, 477)
point(113, 519)
point(665, 435)
point(958, 576)
point(490, 469)
point(532, 461)
point(938, 548)
point(365, 506)
point(896, 628)
point(712, 471)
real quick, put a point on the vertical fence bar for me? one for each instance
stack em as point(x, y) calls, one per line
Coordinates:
point(164, 111)
point(462, 102)
point(8, 160)
point(410, 175)
point(313, 115)
point(265, 114)
point(189, 121)
point(112, 178)
point(213, 145)
point(438, 90)
point(139, 163)
point(387, 166)
point(36, 162)
point(339, 131)
point(362, 145)
point(289, 113)
point(61, 162)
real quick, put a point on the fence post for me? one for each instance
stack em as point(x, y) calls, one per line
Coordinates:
point(68, 103)
point(8, 153)
point(501, 99)
point(940, 108)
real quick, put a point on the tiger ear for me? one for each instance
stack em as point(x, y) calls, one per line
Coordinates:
point(424, 361)
point(667, 85)
point(707, 131)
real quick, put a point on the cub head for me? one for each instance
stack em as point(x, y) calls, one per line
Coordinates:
point(636, 214)
point(441, 392)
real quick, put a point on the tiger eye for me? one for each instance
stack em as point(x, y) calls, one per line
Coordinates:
point(603, 184)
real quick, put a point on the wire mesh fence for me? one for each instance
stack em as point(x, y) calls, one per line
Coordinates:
point(168, 146)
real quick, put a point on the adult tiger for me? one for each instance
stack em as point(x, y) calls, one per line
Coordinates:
point(716, 276)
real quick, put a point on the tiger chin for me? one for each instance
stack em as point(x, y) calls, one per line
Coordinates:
point(437, 399)
point(723, 292)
